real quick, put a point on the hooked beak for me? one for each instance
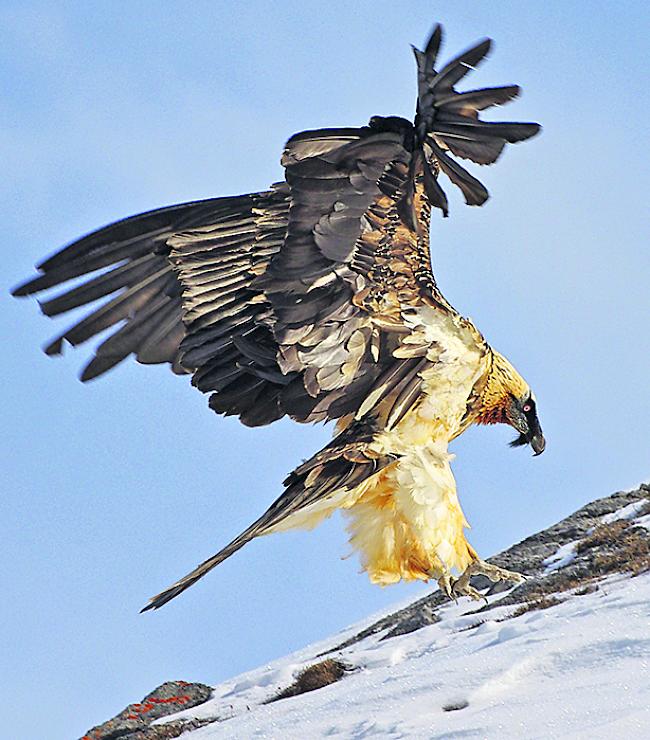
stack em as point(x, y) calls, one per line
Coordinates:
point(532, 436)
point(538, 443)
point(522, 415)
point(534, 439)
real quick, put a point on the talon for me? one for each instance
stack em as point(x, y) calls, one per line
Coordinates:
point(496, 574)
point(467, 590)
point(445, 584)
point(454, 588)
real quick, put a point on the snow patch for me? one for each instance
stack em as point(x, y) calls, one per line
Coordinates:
point(625, 512)
point(566, 554)
point(642, 521)
point(561, 557)
point(579, 669)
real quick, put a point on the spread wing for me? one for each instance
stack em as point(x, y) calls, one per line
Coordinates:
point(253, 295)
point(291, 301)
point(129, 264)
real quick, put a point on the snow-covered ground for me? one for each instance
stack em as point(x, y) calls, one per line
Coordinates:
point(580, 669)
point(577, 669)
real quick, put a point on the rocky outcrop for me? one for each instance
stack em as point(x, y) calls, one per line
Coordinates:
point(533, 557)
point(134, 722)
point(609, 535)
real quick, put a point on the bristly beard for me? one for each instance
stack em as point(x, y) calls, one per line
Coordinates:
point(519, 441)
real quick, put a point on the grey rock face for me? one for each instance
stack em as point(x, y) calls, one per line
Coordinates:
point(527, 557)
point(134, 722)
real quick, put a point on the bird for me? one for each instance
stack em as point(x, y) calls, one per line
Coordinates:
point(315, 299)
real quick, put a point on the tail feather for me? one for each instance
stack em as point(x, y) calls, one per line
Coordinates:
point(191, 578)
point(342, 465)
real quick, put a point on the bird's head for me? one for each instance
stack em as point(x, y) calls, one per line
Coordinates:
point(506, 398)
point(522, 415)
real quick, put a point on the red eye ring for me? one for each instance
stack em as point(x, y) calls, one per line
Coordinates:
point(527, 407)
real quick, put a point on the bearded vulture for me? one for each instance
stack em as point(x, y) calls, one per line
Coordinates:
point(315, 299)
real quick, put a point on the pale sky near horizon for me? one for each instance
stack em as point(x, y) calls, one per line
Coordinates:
point(114, 489)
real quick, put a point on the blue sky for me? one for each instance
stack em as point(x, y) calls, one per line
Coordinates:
point(113, 490)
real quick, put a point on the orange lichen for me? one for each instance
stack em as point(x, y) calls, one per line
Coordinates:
point(151, 703)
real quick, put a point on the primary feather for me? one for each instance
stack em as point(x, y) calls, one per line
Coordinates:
point(316, 299)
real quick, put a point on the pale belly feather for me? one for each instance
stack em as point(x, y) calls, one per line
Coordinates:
point(406, 521)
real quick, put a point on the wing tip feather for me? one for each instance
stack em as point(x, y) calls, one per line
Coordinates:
point(22, 290)
point(55, 347)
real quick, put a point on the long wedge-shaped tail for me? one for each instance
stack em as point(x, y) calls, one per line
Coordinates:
point(342, 465)
point(171, 592)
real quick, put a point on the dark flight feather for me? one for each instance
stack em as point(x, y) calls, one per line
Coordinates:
point(457, 68)
point(472, 101)
point(279, 285)
point(294, 300)
point(474, 191)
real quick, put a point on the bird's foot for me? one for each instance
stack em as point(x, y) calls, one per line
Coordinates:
point(445, 583)
point(456, 587)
